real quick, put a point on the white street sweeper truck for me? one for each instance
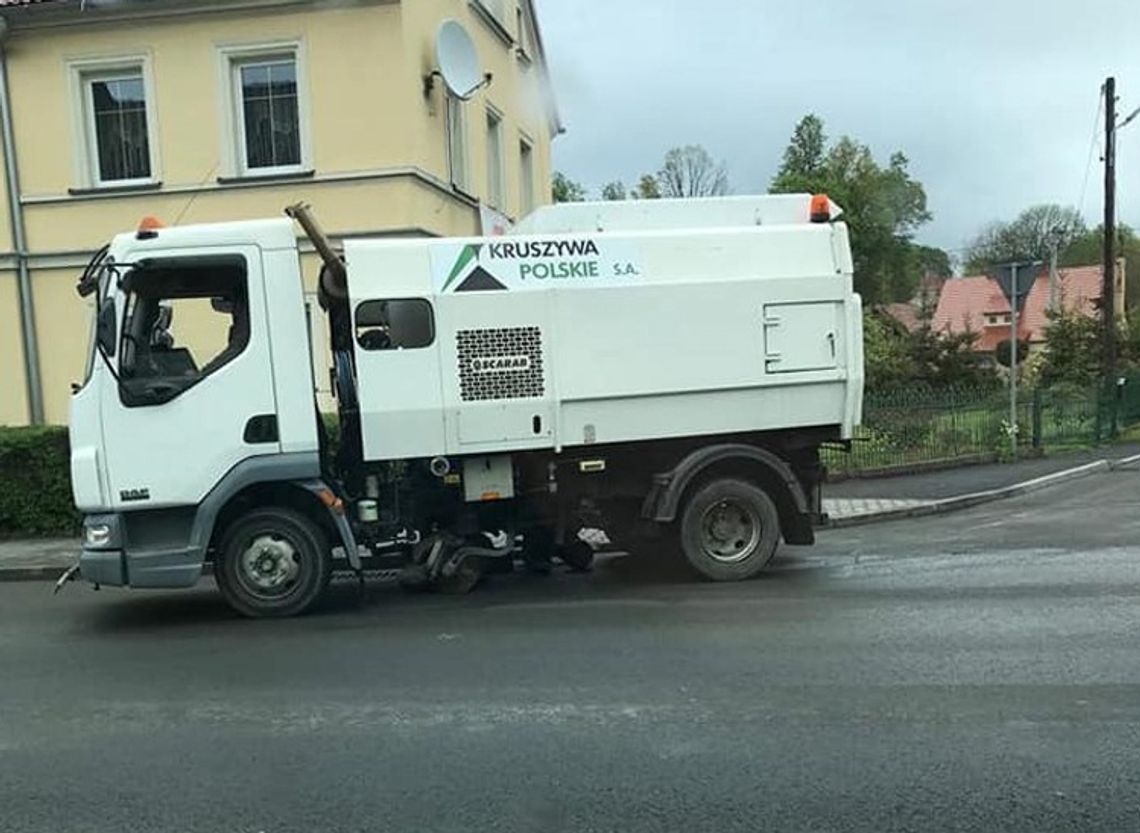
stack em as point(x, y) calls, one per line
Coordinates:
point(666, 366)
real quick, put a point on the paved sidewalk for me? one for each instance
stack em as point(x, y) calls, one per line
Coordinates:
point(867, 501)
point(939, 485)
point(846, 507)
point(42, 558)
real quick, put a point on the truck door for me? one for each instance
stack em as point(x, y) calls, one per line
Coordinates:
point(801, 337)
point(195, 389)
point(398, 385)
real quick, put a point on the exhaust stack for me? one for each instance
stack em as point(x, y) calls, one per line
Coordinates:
point(334, 279)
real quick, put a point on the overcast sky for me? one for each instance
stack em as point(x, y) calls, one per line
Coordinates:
point(993, 101)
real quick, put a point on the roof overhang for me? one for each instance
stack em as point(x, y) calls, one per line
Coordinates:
point(30, 14)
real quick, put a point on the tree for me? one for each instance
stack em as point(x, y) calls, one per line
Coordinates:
point(647, 188)
point(934, 262)
point(690, 171)
point(886, 355)
point(1072, 354)
point(804, 155)
point(943, 359)
point(564, 189)
point(1003, 352)
point(1030, 236)
point(882, 205)
point(898, 358)
point(614, 191)
point(1086, 250)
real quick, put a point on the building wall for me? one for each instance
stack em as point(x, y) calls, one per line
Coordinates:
point(378, 145)
point(516, 91)
point(13, 399)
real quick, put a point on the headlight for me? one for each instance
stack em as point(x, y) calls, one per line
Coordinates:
point(97, 535)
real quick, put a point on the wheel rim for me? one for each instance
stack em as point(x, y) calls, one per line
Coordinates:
point(269, 566)
point(730, 531)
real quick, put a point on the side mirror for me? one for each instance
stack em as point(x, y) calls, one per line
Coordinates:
point(105, 328)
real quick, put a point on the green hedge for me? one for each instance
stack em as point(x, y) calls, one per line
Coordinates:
point(35, 483)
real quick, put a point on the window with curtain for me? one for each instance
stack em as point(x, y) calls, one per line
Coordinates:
point(119, 134)
point(269, 113)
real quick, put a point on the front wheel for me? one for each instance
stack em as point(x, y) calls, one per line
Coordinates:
point(273, 562)
point(729, 529)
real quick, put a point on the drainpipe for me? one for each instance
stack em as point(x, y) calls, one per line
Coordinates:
point(20, 242)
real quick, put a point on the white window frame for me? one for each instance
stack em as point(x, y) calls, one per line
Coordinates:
point(527, 201)
point(231, 58)
point(85, 146)
point(496, 189)
point(496, 14)
point(455, 134)
point(522, 36)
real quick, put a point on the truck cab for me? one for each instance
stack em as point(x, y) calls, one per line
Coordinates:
point(183, 404)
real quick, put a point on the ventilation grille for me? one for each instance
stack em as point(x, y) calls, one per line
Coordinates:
point(501, 363)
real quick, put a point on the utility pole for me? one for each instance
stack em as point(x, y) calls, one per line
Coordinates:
point(1013, 345)
point(1053, 243)
point(1108, 295)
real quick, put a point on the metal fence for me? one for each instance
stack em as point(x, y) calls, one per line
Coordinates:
point(925, 425)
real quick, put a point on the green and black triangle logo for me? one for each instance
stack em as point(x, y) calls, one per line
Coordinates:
point(467, 275)
point(480, 280)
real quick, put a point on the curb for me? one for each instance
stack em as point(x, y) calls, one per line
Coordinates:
point(952, 504)
point(31, 573)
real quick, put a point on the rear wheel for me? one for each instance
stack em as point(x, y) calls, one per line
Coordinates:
point(273, 562)
point(577, 555)
point(538, 549)
point(729, 529)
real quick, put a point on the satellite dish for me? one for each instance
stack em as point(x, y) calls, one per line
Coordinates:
point(458, 61)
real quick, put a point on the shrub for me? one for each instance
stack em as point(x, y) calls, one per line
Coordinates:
point(35, 483)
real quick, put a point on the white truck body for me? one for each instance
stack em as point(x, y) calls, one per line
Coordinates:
point(607, 357)
point(664, 333)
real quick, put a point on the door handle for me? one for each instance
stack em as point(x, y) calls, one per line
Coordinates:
point(831, 343)
point(768, 322)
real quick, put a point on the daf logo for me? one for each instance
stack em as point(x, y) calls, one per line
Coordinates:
point(500, 364)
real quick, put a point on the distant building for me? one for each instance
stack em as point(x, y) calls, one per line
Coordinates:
point(912, 313)
point(907, 314)
point(976, 304)
point(929, 291)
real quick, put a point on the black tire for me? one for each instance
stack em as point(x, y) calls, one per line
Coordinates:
point(296, 549)
point(463, 580)
point(538, 549)
point(729, 529)
point(577, 555)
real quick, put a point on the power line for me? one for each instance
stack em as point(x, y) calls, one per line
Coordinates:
point(1092, 148)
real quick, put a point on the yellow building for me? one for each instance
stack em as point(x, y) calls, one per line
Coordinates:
point(205, 110)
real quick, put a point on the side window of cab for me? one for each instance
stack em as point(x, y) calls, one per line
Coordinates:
point(184, 319)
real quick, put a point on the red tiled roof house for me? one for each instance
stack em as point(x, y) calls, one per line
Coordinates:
point(977, 304)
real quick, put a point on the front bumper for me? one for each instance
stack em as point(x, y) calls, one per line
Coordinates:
point(117, 563)
point(164, 568)
point(103, 567)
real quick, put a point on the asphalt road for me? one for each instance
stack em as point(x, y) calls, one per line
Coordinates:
point(970, 672)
